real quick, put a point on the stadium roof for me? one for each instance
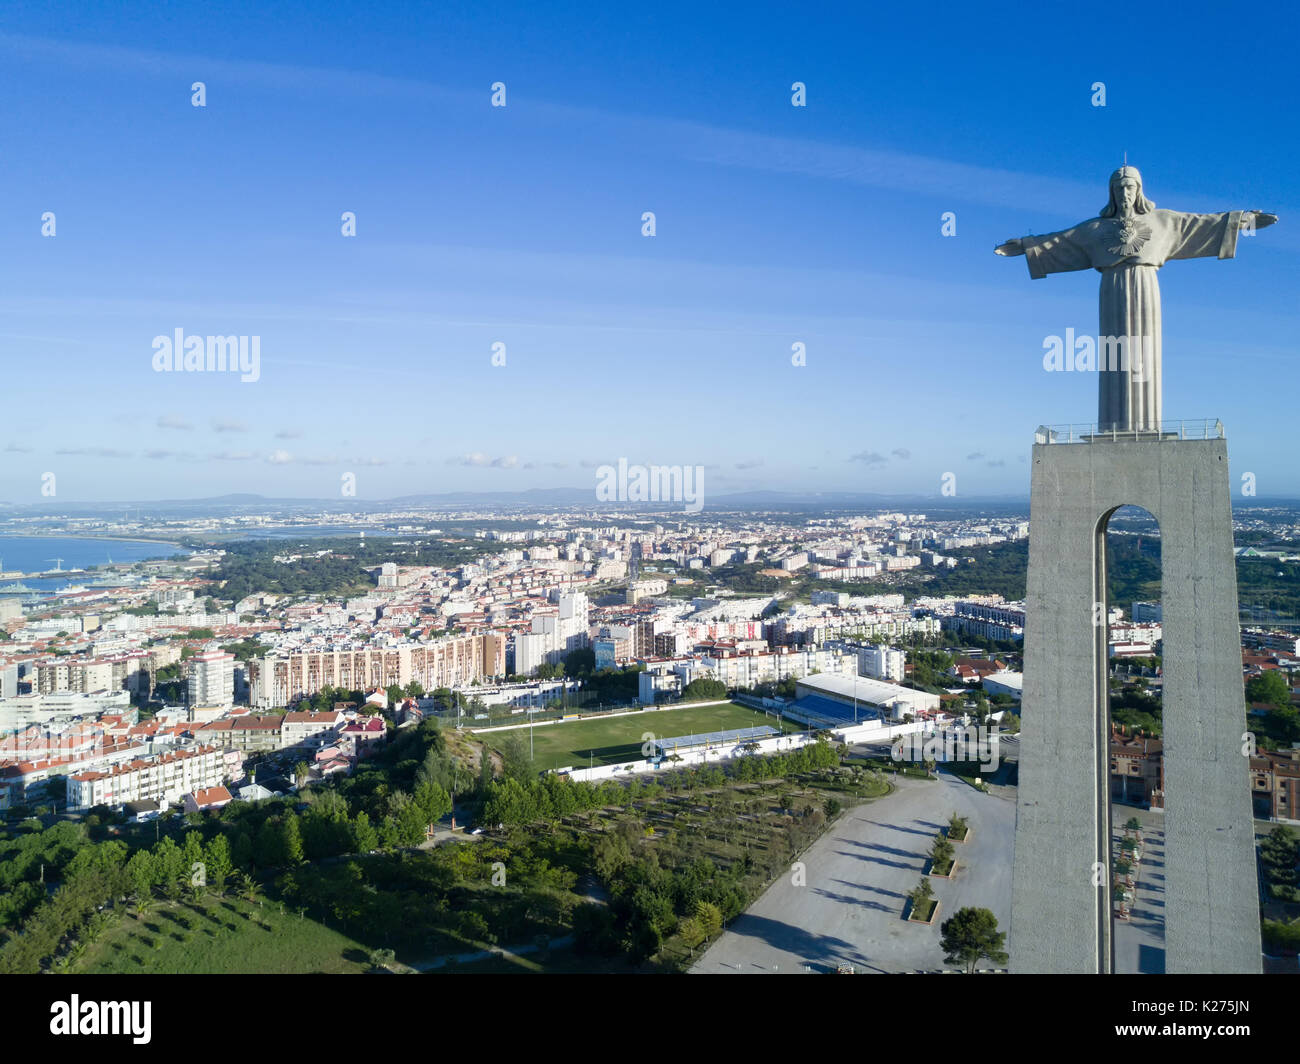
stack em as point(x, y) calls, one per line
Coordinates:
point(867, 691)
point(716, 738)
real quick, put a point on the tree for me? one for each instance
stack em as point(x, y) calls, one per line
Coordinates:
point(692, 933)
point(957, 827)
point(170, 868)
point(920, 894)
point(364, 836)
point(292, 835)
point(433, 801)
point(1277, 852)
point(193, 851)
point(941, 851)
point(268, 850)
point(300, 772)
point(216, 855)
point(709, 917)
point(581, 662)
point(382, 958)
point(411, 825)
point(142, 872)
point(971, 935)
point(241, 852)
point(514, 758)
point(704, 689)
point(485, 772)
point(1269, 688)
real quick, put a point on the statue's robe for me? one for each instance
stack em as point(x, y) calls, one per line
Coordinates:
point(1127, 259)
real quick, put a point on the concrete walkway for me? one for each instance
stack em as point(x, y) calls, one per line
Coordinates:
point(1139, 942)
point(857, 878)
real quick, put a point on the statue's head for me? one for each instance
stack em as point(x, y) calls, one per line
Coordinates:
point(1126, 194)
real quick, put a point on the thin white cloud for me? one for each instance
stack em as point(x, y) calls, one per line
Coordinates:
point(94, 452)
point(693, 141)
point(477, 458)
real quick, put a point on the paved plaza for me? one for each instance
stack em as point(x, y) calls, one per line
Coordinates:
point(1139, 943)
point(857, 878)
point(858, 875)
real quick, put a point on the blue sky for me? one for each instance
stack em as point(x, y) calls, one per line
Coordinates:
point(522, 225)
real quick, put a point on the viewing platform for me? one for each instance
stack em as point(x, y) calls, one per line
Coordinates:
point(1188, 429)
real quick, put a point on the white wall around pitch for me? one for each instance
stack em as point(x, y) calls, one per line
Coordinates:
point(776, 744)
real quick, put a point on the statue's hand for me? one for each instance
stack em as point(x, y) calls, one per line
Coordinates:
point(1261, 219)
point(1014, 246)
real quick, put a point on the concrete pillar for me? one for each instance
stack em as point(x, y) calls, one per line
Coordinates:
point(1061, 906)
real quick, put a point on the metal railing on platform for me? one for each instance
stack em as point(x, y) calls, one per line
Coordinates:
point(1186, 429)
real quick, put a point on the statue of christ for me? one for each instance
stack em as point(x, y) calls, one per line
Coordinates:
point(1127, 243)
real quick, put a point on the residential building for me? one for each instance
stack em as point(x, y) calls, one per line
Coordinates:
point(210, 679)
point(163, 779)
point(882, 663)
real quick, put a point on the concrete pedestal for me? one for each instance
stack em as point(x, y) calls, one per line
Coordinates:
point(1061, 882)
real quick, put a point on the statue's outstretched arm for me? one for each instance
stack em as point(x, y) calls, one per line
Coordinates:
point(1050, 253)
point(1260, 219)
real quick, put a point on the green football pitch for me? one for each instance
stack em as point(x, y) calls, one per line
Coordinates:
point(610, 740)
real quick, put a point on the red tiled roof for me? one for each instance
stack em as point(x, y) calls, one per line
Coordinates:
point(211, 795)
point(141, 763)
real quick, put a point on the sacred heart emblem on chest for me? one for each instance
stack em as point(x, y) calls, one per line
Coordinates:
point(1130, 235)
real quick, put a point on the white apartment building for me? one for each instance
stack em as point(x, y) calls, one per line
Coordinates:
point(8, 680)
point(71, 674)
point(747, 670)
point(299, 728)
point(650, 684)
point(161, 779)
point(830, 598)
point(283, 677)
point(210, 679)
point(530, 652)
point(1004, 620)
point(882, 663)
point(553, 635)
